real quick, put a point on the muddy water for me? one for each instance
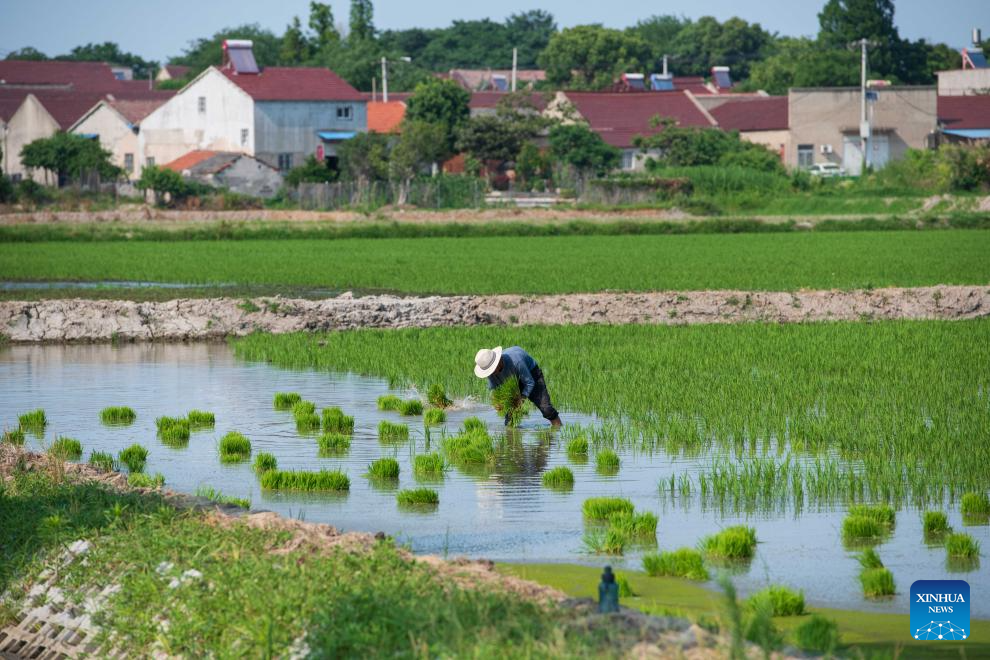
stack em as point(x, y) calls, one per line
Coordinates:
point(502, 515)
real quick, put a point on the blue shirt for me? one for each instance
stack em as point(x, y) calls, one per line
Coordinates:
point(515, 362)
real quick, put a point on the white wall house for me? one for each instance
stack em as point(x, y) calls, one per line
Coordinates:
point(279, 115)
point(115, 124)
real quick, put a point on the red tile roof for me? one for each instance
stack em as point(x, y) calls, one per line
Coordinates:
point(294, 84)
point(66, 107)
point(618, 118)
point(177, 70)
point(10, 100)
point(81, 76)
point(385, 117)
point(134, 110)
point(768, 113)
point(964, 112)
point(186, 161)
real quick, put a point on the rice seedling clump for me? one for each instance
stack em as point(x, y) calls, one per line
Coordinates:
point(935, 523)
point(881, 513)
point(469, 448)
point(300, 408)
point(387, 402)
point(577, 447)
point(34, 421)
point(265, 461)
point(473, 424)
point(384, 468)
point(285, 400)
point(117, 415)
point(508, 401)
point(975, 507)
point(608, 541)
point(333, 444)
point(14, 436)
point(434, 416)
point(781, 600)
point(736, 542)
point(134, 457)
point(68, 449)
point(142, 480)
point(641, 525)
point(234, 447)
point(210, 493)
point(607, 462)
point(962, 546)
point(391, 432)
point(323, 480)
point(877, 580)
point(411, 407)
point(429, 465)
point(173, 431)
point(201, 419)
point(418, 497)
point(817, 634)
point(103, 460)
point(437, 396)
point(603, 508)
point(684, 562)
point(335, 421)
point(560, 478)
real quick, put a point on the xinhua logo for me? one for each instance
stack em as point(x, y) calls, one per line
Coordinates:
point(940, 610)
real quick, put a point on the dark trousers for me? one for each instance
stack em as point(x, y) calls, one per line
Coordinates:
point(541, 398)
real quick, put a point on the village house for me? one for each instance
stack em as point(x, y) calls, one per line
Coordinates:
point(115, 123)
point(237, 172)
point(279, 115)
point(757, 118)
point(172, 72)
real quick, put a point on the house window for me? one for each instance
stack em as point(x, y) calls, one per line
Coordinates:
point(129, 162)
point(244, 137)
point(284, 162)
point(345, 112)
point(201, 104)
point(149, 161)
point(628, 158)
point(806, 155)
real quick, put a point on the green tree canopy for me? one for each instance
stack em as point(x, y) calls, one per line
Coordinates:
point(111, 53)
point(579, 146)
point(442, 103)
point(321, 23)
point(688, 147)
point(804, 63)
point(362, 23)
point(705, 43)
point(295, 45)
point(365, 157)
point(202, 53)
point(592, 56)
point(26, 53)
point(420, 145)
point(311, 171)
point(68, 156)
point(490, 139)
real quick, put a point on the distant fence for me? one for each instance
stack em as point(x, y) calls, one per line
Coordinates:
point(442, 192)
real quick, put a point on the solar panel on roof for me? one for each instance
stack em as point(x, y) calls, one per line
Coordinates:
point(242, 59)
point(976, 58)
point(500, 83)
point(662, 83)
point(634, 81)
point(721, 76)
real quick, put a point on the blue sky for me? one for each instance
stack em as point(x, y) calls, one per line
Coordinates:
point(156, 29)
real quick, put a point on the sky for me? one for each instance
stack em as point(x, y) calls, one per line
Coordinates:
point(158, 29)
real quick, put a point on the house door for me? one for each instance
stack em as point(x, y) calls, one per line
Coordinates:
point(880, 149)
point(852, 155)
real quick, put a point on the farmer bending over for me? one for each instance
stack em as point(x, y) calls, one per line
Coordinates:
point(498, 366)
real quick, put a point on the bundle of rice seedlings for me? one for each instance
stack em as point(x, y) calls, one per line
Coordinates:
point(875, 579)
point(473, 424)
point(103, 460)
point(641, 525)
point(389, 432)
point(173, 431)
point(211, 493)
point(418, 497)
point(34, 421)
point(608, 541)
point(14, 436)
point(560, 478)
point(134, 457)
point(429, 465)
point(437, 396)
point(607, 462)
point(602, 508)
point(469, 448)
point(780, 600)
point(201, 419)
point(736, 542)
point(508, 401)
point(881, 513)
point(388, 402)
point(684, 562)
point(434, 416)
point(307, 422)
point(324, 480)
point(975, 507)
point(935, 523)
point(333, 444)
point(862, 530)
point(335, 421)
point(411, 407)
point(142, 480)
point(265, 461)
point(384, 468)
point(962, 546)
point(577, 447)
point(285, 400)
point(234, 447)
point(303, 408)
point(67, 449)
point(117, 415)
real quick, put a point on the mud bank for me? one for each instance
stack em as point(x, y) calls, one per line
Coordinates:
point(215, 318)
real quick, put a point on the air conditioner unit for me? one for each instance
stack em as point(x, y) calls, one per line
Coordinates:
point(826, 148)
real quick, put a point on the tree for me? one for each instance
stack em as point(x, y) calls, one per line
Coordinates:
point(489, 139)
point(365, 157)
point(205, 52)
point(705, 43)
point(26, 53)
point(68, 156)
point(420, 145)
point(167, 185)
point(843, 22)
point(578, 146)
point(295, 46)
point(443, 103)
point(591, 56)
point(692, 147)
point(311, 171)
point(529, 32)
point(660, 32)
point(362, 24)
point(321, 23)
point(804, 63)
point(110, 53)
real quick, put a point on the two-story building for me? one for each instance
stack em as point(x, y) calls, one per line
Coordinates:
point(279, 115)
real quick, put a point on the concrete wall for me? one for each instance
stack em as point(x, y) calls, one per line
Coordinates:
point(115, 134)
point(29, 123)
point(178, 127)
point(776, 141)
point(963, 82)
point(250, 177)
point(825, 116)
point(290, 127)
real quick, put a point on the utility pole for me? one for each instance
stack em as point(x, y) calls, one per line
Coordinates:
point(385, 80)
point(515, 55)
point(864, 122)
point(665, 66)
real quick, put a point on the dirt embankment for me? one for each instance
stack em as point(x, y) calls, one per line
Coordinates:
point(215, 318)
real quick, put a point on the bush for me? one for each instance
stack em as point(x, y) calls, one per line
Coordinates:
point(311, 171)
point(7, 195)
point(781, 600)
point(817, 634)
point(685, 562)
point(32, 192)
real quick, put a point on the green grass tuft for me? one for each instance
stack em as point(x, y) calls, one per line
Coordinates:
point(173, 431)
point(469, 448)
point(860, 529)
point(781, 600)
point(473, 424)
point(975, 505)
point(201, 419)
point(818, 634)
point(962, 546)
point(577, 447)
point(418, 497)
point(437, 396)
point(641, 525)
point(877, 582)
point(389, 402)
point(429, 466)
point(881, 513)
point(14, 436)
point(285, 400)
point(411, 407)
point(391, 432)
point(117, 415)
point(302, 408)
point(736, 542)
point(869, 559)
point(384, 468)
point(607, 462)
point(609, 541)
point(68, 449)
point(324, 480)
point(265, 461)
point(134, 457)
point(434, 416)
point(508, 401)
point(935, 523)
point(560, 478)
point(307, 422)
point(142, 480)
point(33, 421)
point(333, 444)
point(103, 461)
point(211, 493)
point(335, 421)
point(603, 508)
point(234, 447)
point(684, 562)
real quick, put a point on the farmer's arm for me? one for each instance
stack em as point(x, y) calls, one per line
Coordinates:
point(526, 382)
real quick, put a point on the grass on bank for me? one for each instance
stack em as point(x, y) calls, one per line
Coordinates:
point(210, 493)
point(103, 460)
point(142, 480)
point(542, 264)
point(13, 436)
point(68, 449)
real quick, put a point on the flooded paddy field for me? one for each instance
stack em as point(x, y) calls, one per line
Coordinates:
point(501, 512)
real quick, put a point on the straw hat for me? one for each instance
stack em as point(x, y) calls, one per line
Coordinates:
point(486, 361)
